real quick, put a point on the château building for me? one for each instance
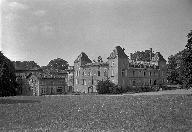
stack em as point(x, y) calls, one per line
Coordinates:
point(120, 70)
point(44, 84)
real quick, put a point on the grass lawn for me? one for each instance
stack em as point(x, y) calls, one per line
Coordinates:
point(97, 113)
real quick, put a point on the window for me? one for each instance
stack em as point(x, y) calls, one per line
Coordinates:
point(113, 63)
point(123, 72)
point(144, 73)
point(98, 73)
point(84, 82)
point(83, 74)
point(59, 90)
point(43, 90)
point(77, 73)
point(150, 81)
point(76, 81)
point(89, 74)
point(149, 73)
point(112, 73)
point(105, 73)
point(134, 83)
point(126, 72)
point(133, 73)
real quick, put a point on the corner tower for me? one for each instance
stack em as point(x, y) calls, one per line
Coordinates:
point(81, 60)
point(118, 63)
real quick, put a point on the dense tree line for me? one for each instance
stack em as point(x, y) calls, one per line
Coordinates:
point(141, 55)
point(179, 68)
point(7, 77)
point(55, 66)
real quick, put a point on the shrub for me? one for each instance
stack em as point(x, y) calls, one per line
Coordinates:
point(104, 87)
point(108, 87)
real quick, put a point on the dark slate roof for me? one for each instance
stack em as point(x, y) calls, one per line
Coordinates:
point(118, 51)
point(83, 58)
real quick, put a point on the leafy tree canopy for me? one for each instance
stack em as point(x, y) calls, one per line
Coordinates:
point(186, 63)
point(58, 64)
point(7, 77)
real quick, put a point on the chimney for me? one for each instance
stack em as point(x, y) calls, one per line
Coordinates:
point(151, 54)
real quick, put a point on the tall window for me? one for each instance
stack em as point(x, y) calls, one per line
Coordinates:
point(77, 73)
point(133, 73)
point(144, 73)
point(126, 72)
point(123, 72)
point(150, 81)
point(84, 82)
point(43, 91)
point(105, 73)
point(98, 73)
point(112, 73)
point(134, 83)
point(149, 73)
point(76, 81)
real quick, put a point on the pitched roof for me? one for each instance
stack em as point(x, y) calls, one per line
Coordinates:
point(83, 58)
point(158, 57)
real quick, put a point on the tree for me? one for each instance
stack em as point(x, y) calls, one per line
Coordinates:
point(58, 65)
point(173, 76)
point(7, 77)
point(108, 87)
point(186, 63)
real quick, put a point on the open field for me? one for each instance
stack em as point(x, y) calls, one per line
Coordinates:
point(97, 113)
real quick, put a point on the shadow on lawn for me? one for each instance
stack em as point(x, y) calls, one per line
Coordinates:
point(14, 101)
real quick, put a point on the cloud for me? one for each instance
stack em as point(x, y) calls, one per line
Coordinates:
point(17, 6)
point(44, 29)
point(39, 13)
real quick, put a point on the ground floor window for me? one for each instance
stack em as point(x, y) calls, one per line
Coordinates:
point(134, 83)
point(84, 82)
point(150, 81)
point(43, 90)
point(59, 90)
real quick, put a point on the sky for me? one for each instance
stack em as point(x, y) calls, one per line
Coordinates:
point(42, 30)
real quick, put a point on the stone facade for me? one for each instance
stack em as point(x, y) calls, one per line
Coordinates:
point(120, 70)
point(70, 72)
point(46, 85)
